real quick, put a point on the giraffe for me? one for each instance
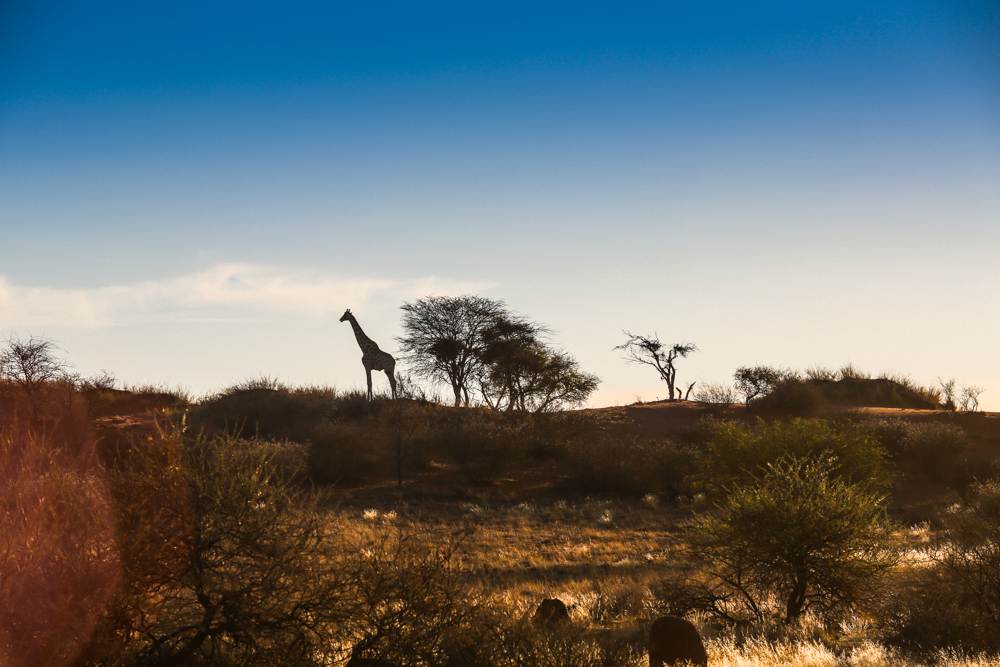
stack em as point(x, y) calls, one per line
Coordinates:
point(371, 356)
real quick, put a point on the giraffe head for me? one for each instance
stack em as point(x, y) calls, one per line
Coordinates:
point(347, 315)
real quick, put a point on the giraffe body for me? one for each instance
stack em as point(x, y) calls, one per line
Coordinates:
point(371, 356)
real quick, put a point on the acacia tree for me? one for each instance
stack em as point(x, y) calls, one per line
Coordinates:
point(650, 351)
point(443, 338)
point(521, 372)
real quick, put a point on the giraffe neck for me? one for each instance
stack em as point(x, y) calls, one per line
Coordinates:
point(363, 341)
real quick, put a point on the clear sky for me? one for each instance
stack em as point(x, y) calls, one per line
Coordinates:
point(191, 193)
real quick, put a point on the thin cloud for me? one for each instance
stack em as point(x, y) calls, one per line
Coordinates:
point(227, 292)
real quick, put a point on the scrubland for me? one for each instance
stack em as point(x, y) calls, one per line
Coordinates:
point(307, 526)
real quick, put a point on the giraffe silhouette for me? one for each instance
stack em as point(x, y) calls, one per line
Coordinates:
point(371, 356)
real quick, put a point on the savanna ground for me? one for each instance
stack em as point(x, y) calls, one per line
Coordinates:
point(279, 525)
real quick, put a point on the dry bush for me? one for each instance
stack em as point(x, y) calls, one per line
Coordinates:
point(58, 563)
point(104, 398)
point(954, 602)
point(630, 464)
point(407, 603)
point(721, 395)
point(260, 583)
point(619, 600)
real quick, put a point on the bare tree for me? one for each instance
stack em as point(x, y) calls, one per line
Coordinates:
point(970, 398)
point(443, 338)
point(32, 365)
point(948, 392)
point(650, 351)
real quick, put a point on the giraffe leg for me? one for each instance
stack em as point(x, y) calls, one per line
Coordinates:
point(368, 372)
point(390, 372)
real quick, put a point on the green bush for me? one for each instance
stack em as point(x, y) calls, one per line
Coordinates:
point(795, 537)
point(890, 433)
point(736, 453)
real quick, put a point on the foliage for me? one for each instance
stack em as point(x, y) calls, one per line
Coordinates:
point(736, 453)
point(485, 445)
point(754, 381)
point(407, 597)
point(650, 351)
point(443, 338)
point(58, 564)
point(521, 372)
point(799, 531)
point(261, 584)
point(954, 601)
point(631, 465)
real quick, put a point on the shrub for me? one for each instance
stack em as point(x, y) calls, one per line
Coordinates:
point(633, 465)
point(799, 531)
point(736, 453)
point(408, 602)
point(890, 433)
point(793, 396)
point(484, 445)
point(344, 452)
point(719, 395)
point(954, 603)
point(265, 411)
point(59, 566)
point(262, 584)
point(934, 445)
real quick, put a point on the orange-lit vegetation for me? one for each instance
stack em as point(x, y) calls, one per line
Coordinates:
point(306, 526)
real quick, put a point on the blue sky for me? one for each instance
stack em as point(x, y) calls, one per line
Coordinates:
point(192, 193)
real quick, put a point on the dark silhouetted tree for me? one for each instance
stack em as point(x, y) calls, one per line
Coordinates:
point(650, 351)
point(754, 381)
point(521, 372)
point(443, 338)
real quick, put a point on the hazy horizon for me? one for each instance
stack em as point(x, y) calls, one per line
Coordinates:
point(192, 194)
